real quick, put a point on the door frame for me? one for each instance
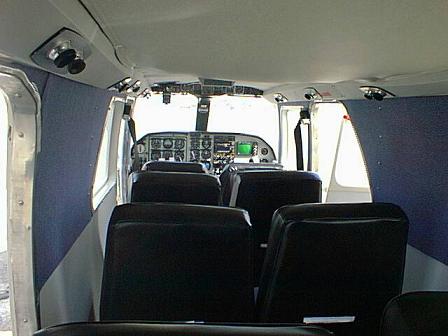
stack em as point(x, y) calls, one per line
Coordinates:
point(23, 108)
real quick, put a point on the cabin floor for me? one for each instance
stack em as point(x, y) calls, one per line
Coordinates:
point(5, 316)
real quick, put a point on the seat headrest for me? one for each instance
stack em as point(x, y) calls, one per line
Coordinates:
point(176, 214)
point(272, 176)
point(252, 166)
point(174, 166)
point(417, 313)
point(275, 187)
point(328, 212)
point(192, 188)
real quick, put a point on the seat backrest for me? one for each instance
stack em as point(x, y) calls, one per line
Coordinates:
point(415, 314)
point(177, 329)
point(263, 192)
point(174, 166)
point(333, 260)
point(232, 168)
point(177, 262)
point(191, 188)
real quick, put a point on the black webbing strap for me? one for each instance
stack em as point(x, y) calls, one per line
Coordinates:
point(131, 126)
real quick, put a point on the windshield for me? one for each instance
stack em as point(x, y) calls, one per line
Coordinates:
point(250, 115)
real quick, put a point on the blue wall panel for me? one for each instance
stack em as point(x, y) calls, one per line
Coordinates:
point(405, 144)
point(72, 121)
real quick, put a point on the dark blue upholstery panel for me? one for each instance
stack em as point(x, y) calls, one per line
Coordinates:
point(72, 122)
point(405, 144)
point(37, 76)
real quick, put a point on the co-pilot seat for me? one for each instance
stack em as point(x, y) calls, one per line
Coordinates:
point(190, 188)
point(232, 168)
point(177, 262)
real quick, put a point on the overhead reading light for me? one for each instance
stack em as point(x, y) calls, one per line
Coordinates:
point(311, 93)
point(280, 98)
point(375, 93)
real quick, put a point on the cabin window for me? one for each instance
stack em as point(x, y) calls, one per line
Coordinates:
point(337, 155)
point(152, 115)
point(350, 170)
point(251, 115)
point(100, 185)
point(256, 116)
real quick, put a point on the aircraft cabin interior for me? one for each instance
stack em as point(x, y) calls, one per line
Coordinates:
point(223, 168)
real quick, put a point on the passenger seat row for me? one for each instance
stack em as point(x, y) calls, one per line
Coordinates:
point(410, 314)
point(177, 262)
point(258, 188)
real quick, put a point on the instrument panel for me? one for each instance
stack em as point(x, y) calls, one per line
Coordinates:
point(214, 150)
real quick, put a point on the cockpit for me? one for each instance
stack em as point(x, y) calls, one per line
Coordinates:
point(206, 122)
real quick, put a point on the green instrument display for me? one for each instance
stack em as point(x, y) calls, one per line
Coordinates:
point(244, 148)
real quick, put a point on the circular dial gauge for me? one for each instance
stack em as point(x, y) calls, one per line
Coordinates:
point(195, 154)
point(179, 143)
point(155, 155)
point(206, 154)
point(141, 148)
point(195, 144)
point(155, 143)
point(167, 154)
point(167, 143)
point(179, 155)
point(206, 143)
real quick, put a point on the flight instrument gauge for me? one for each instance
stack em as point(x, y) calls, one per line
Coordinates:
point(155, 143)
point(141, 148)
point(179, 143)
point(156, 155)
point(179, 155)
point(206, 143)
point(167, 143)
point(206, 154)
point(195, 154)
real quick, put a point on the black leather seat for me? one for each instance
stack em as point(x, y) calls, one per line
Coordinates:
point(191, 188)
point(177, 262)
point(416, 314)
point(333, 260)
point(177, 329)
point(263, 192)
point(174, 166)
point(232, 168)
